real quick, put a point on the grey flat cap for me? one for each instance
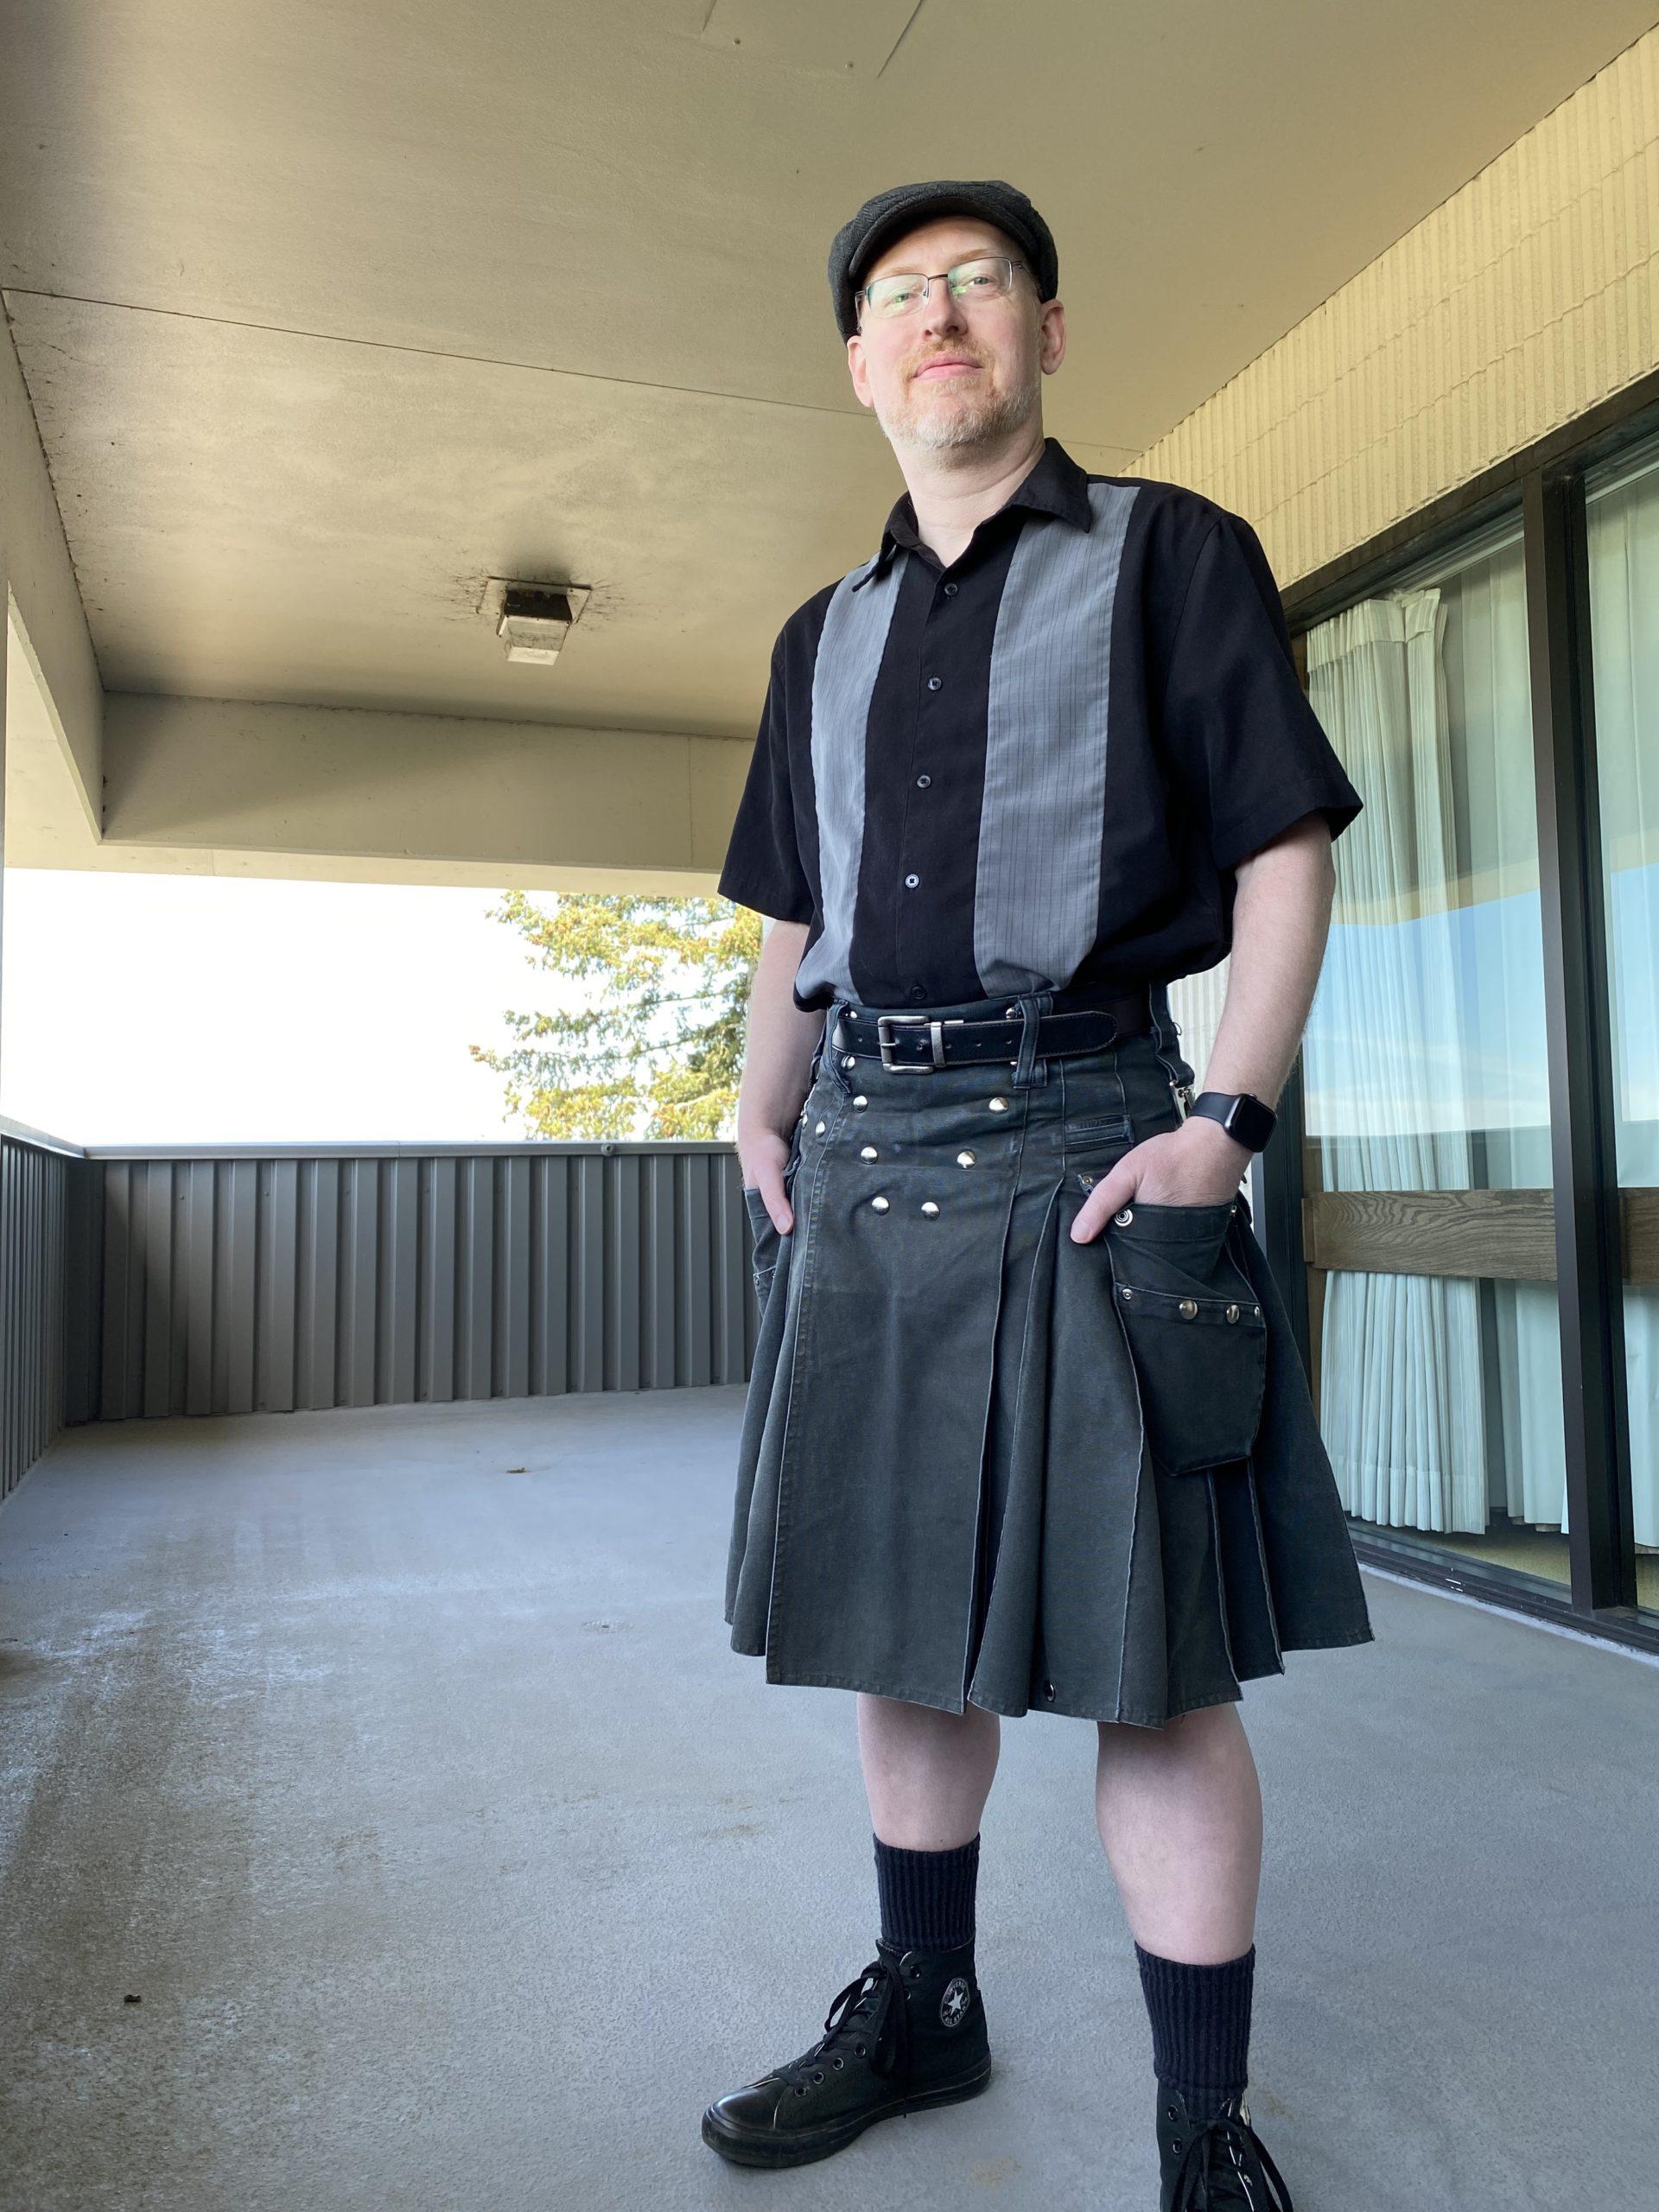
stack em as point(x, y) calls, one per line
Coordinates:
point(889, 215)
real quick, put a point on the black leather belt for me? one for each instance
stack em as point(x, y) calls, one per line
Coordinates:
point(919, 1043)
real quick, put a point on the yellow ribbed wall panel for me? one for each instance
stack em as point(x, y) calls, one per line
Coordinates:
point(1520, 303)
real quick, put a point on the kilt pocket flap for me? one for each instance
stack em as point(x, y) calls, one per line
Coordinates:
point(1195, 1329)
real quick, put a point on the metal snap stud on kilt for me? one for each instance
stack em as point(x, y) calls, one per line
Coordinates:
point(860, 1100)
point(1232, 1313)
point(1189, 1307)
point(998, 1105)
point(965, 1159)
point(929, 1207)
point(1124, 1219)
point(869, 1152)
point(880, 1204)
point(818, 1128)
point(849, 1060)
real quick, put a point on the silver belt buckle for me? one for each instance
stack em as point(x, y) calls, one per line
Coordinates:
point(910, 1067)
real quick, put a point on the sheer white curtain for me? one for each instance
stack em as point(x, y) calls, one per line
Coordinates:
point(1427, 1051)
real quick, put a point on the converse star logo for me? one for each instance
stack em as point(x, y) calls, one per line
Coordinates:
point(953, 2006)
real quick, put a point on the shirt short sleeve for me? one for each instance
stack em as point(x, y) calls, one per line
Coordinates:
point(762, 868)
point(1245, 746)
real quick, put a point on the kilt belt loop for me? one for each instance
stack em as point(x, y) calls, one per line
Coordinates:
point(1027, 1068)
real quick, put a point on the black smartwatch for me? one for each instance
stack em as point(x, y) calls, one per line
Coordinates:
point(1242, 1116)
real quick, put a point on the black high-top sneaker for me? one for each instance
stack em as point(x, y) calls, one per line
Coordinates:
point(1212, 2160)
point(906, 2033)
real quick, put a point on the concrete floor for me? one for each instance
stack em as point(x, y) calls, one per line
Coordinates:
point(398, 1762)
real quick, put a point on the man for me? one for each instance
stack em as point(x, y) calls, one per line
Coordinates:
point(1027, 1424)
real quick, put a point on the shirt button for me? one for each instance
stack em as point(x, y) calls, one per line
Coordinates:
point(935, 683)
point(919, 991)
point(922, 782)
point(950, 591)
point(910, 881)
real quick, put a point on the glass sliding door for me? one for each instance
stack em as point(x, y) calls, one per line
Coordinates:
point(1428, 1222)
point(1622, 518)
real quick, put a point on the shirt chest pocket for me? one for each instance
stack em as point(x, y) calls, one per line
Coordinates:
point(1196, 1331)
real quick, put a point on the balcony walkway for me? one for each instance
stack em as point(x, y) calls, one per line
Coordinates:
point(397, 1761)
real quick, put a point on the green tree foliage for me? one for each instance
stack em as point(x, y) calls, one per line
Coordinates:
point(657, 1048)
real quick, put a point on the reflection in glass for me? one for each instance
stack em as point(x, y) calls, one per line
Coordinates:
point(1430, 1238)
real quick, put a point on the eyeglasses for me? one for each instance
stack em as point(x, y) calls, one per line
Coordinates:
point(987, 277)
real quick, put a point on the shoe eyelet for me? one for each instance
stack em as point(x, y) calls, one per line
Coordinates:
point(817, 2076)
point(838, 2062)
point(800, 2091)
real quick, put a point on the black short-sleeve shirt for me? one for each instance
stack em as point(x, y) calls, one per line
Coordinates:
point(1039, 766)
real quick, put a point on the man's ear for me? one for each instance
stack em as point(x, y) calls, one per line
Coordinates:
point(858, 368)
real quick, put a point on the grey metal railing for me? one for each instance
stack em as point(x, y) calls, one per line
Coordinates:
point(37, 1172)
point(243, 1278)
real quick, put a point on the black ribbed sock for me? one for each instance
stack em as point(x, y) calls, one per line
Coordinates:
point(927, 1897)
point(1200, 2019)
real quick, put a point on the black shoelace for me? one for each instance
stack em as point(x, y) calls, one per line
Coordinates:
point(1220, 2166)
point(872, 2003)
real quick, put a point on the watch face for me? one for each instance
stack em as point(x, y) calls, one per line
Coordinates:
point(1250, 1121)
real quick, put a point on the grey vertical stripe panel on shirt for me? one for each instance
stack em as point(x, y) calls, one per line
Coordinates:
point(855, 637)
point(1042, 816)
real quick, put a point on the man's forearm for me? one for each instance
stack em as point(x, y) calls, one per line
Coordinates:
point(1281, 916)
point(778, 1050)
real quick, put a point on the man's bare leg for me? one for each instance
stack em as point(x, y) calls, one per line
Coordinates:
point(926, 1773)
point(1178, 1810)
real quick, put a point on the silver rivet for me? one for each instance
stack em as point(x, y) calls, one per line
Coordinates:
point(1009, 1013)
point(1189, 1307)
point(999, 1105)
point(1232, 1313)
point(1256, 1310)
point(928, 1206)
point(965, 1159)
point(849, 1060)
point(880, 1204)
point(1126, 1291)
point(860, 1100)
point(818, 1128)
point(869, 1152)
point(1124, 1219)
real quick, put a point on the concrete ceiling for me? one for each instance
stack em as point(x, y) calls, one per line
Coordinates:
point(330, 311)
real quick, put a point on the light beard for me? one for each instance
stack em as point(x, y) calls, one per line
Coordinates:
point(975, 418)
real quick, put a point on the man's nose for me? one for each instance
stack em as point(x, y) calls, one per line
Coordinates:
point(942, 309)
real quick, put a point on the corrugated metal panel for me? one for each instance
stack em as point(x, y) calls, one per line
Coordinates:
point(33, 1212)
point(237, 1285)
point(1512, 308)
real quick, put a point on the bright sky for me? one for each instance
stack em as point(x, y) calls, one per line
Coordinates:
point(166, 1009)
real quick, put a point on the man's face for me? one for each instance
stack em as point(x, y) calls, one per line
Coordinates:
point(1002, 347)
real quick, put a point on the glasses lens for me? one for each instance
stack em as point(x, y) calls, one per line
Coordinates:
point(893, 294)
point(971, 280)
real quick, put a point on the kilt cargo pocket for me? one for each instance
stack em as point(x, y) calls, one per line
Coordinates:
point(1196, 1331)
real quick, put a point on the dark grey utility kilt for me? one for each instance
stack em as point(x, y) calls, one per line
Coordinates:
point(982, 1463)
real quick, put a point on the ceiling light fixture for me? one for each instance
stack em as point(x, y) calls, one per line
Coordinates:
point(534, 619)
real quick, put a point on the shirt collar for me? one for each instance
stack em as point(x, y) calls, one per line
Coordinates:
point(1053, 486)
